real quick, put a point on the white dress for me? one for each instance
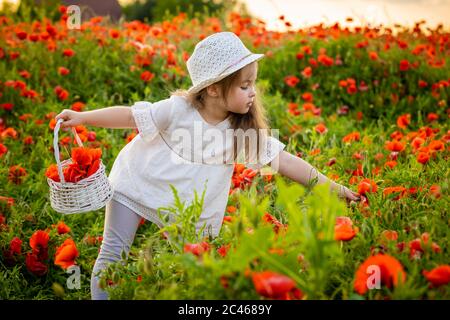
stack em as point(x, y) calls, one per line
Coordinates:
point(144, 169)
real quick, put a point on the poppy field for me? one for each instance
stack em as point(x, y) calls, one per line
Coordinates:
point(367, 106)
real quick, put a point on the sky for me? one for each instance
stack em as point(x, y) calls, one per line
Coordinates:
point(302, 13)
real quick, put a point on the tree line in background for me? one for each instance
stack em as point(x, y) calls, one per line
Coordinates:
point(148, 11)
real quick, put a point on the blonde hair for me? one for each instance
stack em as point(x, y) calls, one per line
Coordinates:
point(255, 118)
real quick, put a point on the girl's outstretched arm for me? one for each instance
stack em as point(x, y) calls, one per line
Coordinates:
point(117, 117)
point(299, 170)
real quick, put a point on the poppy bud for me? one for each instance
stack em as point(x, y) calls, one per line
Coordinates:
point(58, 290)
point(92, 136)
point(115, 277)
point(102, 283)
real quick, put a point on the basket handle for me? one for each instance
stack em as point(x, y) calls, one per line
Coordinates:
point(56, 146)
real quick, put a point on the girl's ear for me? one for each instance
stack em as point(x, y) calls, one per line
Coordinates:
point(212, 90)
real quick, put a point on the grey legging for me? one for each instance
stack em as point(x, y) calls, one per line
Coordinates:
point(119, 231)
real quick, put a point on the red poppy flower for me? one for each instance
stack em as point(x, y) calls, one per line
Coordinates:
point(93, 168)
point(7, 200)
point(85, 162)
point(404, 120)
point(227, 219)
point(423, 157)
point(419, 245)
point(391, 272)
point(344, 230)
point(396, 135)
point(439, 276)
point(401, 190)
point(373, 55)
point(436, 145)
point(92, 240)
point(3, 149)
point(404, 65)
point(396, 146)
point(13, 55)
point(417, 142)
point(321, 128)
point(15, 245)
point(354, 136)
point(16, 174)
point(28, 140)
point(82, 132)
point(306, 73)
point(224, 282)
point(352, 89)
point(325, 60)
point(293, 108)
point(291, 81)
point(81, 156)
point(197, 249)
point(96, 153)
point(231, 209)
point(357, 172)
point(22, 35)
point(275, 286)
point(73, 173)
point(306, 50)
point(66, 254)
point(432, 117)
point(52, 173)
point(223, 250)
point(309, 106)
point(389, 235)
point(68, 52)
point(331, 162)
point(9, 132)
point(147, 76)
point(367, 186)
point(78, 106)
point(390, 164)
point(277, 225)
point(422, 84)
point(435, 191)
point(114, 33)
point(39, 241)
point(307, 97)
point(63, 71)
point(24, 74)
point(35, 266)
point(61, 93)
point(62, 228)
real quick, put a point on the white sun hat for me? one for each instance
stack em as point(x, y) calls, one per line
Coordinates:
point(216, 57)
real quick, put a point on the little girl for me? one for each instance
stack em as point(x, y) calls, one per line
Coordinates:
point(222, 101)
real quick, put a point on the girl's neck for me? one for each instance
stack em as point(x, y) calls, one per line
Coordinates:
point(213, 112)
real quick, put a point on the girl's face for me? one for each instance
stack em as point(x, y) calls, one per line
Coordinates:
point(242, 92)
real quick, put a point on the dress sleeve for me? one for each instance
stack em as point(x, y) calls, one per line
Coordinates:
point(270, 150)
point(151, 118)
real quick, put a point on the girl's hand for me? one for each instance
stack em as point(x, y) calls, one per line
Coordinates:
point(346, 193)
point(71, 119)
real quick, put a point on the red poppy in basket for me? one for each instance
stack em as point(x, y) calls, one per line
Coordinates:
point(85, 162)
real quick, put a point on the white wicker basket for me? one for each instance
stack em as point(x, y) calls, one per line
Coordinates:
point(89, 194)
